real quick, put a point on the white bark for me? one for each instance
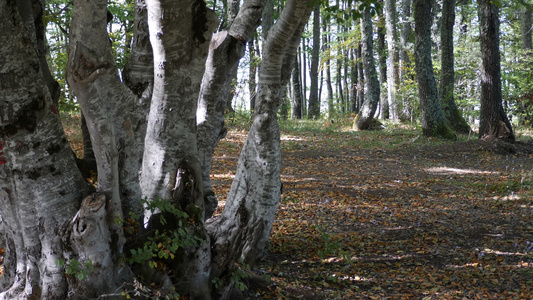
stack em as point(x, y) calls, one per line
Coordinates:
point(243, 228)
point(225, 51)
point(35, 154)
point(179, 33)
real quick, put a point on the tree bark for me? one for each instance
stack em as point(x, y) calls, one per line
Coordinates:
point(493, 120)
point(382, 61)
point(447, 81)
point(434, 122)
point(34, 153)
point(179, 33)
point(296, 89)
point(314, 103)
point(391, 20)
point(405, 61)
point(225, 52)
point(366, 114)
point(243, 228)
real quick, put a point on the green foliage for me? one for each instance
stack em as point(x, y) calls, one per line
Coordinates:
point(165, 244)
point(75, 268)
point(236, 277)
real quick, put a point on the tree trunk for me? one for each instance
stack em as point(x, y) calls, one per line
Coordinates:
point(434, 122)
point(405, 62)
point(366, 114)
point(382, 59)
point(314, 104)
point(391, 20)
point(243, 228)
point(34, 154)
point(327, 66)
point(252, 81)
point(493, 120)
point(296, 88)
point(361, 77)
point(225, 52)
point(447, 81)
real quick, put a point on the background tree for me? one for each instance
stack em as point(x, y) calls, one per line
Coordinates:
point(314, 103)
point(493, 120)
point(434, 122)
point(391, 20)
point(447, 80)
point(370, 103)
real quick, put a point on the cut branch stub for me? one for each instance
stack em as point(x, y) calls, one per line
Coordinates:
point(90, 240)
point(87, 65)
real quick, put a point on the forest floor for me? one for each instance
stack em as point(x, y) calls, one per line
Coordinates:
point(393, 215)
point(390, 214)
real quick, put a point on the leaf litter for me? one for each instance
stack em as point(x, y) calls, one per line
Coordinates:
point(390, 215)
point(381, 215)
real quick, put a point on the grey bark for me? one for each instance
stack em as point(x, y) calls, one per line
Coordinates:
point(382, 61)
point(327, 66)
point(391, 20)
point(34, 153)
point(372, 90)
point(296, 90)
point(179, 33)
point(447, 80)
point(243, 228)
point(361, 77)
point(493, 120)
point(225, 52)
point(405, 33)
point(434, 122)
point(252, 82)
point(314, 103)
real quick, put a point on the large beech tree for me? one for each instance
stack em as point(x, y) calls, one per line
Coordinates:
point(493, 121)
point(434, 122)
point(147, 145)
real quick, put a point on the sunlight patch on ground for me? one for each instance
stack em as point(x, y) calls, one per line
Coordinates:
point(292, 138)
point(450, 171)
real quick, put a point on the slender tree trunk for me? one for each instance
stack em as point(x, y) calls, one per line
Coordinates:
point(434, 122)
point(314, 104)
point(296, 97)
point(391, 21)
point(252, 82)
point(362, 79)
point(382, 60)
point(243, 228)
point(370, 103)
point(447, 80)
point(405, 61)
point(327, 66)
point(493, 120)
point(225, 52)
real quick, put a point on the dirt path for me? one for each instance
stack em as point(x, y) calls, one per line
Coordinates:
point(406, 220)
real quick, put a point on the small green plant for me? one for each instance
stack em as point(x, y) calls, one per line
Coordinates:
point(77, 269)
point(236, 278)
point(164, 244)
point(332, 247)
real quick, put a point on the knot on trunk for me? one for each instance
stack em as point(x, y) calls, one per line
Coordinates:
point(87, 65)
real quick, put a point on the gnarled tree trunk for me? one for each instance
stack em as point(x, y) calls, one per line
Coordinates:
point(243, 228)
point(434, 122)
point(366, 114)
